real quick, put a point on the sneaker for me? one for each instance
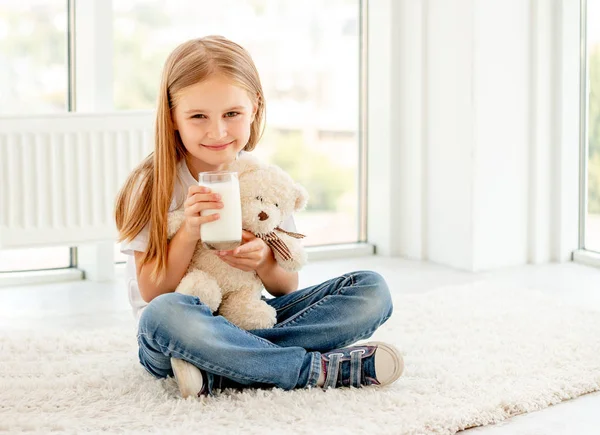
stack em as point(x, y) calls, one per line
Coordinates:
point(189, 378)
point(373, 363)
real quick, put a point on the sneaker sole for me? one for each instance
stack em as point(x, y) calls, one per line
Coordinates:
point(188, 377)
point(386, 357)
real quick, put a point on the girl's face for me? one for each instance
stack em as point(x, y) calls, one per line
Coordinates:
point(213, 118)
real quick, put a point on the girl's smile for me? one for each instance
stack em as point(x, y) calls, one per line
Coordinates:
point(217, 147)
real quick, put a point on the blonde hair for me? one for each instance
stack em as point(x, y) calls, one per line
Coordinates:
point(146, 195)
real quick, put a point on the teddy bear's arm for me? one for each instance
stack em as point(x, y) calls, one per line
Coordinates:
point(174, 220)
point(297, 252)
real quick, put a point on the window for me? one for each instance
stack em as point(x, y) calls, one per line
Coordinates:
point(33, 56)
point(307, 54)
point(14, 260)
point(33, 79)
point(592, 222)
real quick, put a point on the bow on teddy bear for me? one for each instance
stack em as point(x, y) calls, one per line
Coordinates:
point(269, 196)
point(278, 245)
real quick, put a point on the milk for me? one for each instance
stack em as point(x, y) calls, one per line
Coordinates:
point(226, 232)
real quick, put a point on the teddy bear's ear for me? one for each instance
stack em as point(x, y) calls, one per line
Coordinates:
point(301, 197)
point(245, 163)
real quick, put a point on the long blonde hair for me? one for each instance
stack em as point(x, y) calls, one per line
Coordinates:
point(146, 195)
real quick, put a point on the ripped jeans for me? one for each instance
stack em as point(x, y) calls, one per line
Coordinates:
point(317, 319)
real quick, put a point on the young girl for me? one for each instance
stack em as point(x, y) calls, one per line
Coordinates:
point(210, 108)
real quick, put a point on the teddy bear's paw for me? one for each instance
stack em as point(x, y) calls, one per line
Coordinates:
point(210, 298)
point(263, 316)
point(255, 322)
point(254, 315)
point(202, 285)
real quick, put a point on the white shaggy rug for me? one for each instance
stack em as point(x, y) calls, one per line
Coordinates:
point(475, 354)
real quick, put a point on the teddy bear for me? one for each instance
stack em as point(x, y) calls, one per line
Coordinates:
point(268, 196)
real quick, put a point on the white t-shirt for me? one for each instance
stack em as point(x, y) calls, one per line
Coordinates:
point(183, 181)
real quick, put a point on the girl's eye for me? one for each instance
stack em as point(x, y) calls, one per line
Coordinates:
point(231, 114)
point(276, 205)
point(198, 116)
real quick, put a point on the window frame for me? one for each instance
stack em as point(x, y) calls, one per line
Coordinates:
point(583, 255)
point(583, 124)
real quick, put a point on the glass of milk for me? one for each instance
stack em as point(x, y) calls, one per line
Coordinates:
point(226, 232)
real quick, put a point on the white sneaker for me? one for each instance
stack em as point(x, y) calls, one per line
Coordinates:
point(389, 364)
point(189, 378)
point(372, 363)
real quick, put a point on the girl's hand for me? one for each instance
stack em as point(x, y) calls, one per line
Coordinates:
point(251, 255)
point(199, 198)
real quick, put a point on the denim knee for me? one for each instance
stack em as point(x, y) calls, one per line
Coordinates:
point(159, 309)
point(168, 316)
point(375, 288)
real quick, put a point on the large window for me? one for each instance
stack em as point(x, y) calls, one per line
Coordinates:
point(592, 226)
point(33, 79)
point(307, 54)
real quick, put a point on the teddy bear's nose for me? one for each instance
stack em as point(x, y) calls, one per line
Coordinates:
point(263, 216)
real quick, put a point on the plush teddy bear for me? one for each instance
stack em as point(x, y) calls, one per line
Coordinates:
point(269, 196)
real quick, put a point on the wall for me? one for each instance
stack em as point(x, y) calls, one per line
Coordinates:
point(473, 130)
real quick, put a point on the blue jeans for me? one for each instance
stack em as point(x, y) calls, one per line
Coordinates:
point(317, 319)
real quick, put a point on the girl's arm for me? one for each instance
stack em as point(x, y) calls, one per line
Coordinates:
point(180, 250)
point(181, 247)
point(276, 280)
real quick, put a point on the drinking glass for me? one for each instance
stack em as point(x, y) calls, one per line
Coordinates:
point(226, 232)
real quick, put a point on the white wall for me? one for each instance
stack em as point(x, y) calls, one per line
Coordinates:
point(473, 130)
point(504, 94)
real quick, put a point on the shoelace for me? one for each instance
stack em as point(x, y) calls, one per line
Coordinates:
point(333, 368)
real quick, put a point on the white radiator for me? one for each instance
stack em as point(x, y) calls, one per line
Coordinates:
point(59, 175)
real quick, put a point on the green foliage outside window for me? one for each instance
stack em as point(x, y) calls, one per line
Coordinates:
point(326, 181)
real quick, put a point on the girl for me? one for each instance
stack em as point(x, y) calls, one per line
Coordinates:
point(211, 107)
